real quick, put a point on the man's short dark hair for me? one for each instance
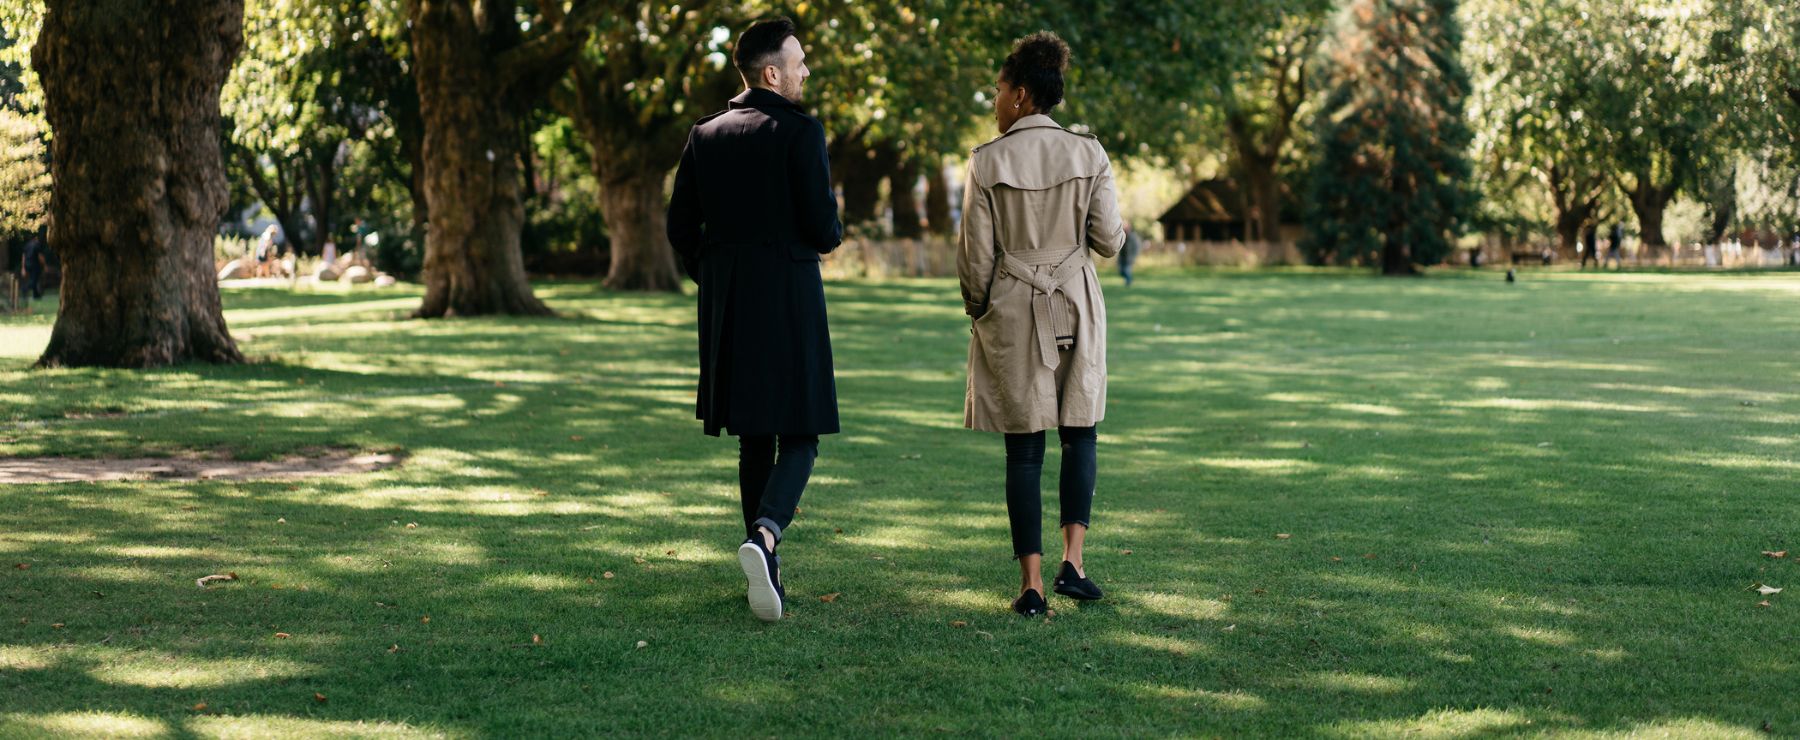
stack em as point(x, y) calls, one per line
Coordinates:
point(759, 45)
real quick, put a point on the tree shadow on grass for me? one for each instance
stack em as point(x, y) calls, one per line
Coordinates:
point(1443, 570)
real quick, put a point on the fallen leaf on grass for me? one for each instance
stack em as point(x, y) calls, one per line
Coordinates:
point(23, 566)
point(830, 597)
point(1336, 559)
point(1767, 590)
point(394, 648)
point(425, 619)
point(670, 552)
point(201, 707)
point(282, 635)
point(959, 624)
point(641, 644)
point(412, 525)
point(1284, 536)
point(281, 520)
point(575, 438)
point(1125, 552)
point(1368, 556)
point(56, 626)
point(204, 581)
point(1259, 591)
point(607, 575)
point(1775, 553)
point(318, 697)
point(1764, 602)
point(639, 561)
point(1229, 628)
point(536, 640)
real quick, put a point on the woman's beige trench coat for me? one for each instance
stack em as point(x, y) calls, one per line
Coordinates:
point(1036, 200)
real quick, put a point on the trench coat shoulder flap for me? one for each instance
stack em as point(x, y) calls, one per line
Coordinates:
point(1038, 154)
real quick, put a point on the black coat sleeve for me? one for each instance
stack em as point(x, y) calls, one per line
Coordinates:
point(685, 222)
point(814, 203)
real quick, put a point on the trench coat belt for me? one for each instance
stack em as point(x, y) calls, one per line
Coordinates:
point(1049, 300)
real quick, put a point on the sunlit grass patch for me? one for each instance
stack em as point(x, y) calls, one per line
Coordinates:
point(1535, 509)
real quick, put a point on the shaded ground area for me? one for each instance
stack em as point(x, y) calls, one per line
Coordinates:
point(1512, 510)
point(72, 470)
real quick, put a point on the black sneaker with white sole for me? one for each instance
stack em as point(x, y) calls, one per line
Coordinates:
point(762, 569)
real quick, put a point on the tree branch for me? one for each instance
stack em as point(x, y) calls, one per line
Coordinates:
point(548, 53)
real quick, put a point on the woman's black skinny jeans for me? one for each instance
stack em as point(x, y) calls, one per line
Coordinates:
point(1024, 474)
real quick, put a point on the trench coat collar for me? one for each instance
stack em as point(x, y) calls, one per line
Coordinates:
point(1035, 120)
point(758, 97)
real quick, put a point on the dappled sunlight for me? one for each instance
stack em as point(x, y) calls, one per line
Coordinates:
point(1264, 466)
point(1163, 643)
point(1373, 409)
point(1475, 515)
point(1443, 723)
point(1357, 683)
point(1231, 701)
point(24, 658)
point(82, 724)
point(276, 725)
point(150, 669)
point(531, 582)
point(1554, 404)
point(1175, 605)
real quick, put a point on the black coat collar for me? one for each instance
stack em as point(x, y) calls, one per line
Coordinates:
point(757, 97)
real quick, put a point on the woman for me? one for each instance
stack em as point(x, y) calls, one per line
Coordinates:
point(1037, 199)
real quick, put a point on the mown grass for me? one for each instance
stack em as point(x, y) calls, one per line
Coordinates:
point(1510, 509)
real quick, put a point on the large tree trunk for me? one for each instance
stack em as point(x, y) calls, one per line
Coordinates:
point(1262, 187)
point(1649, 202)
point(131, 91)
point(863, 168)
point(642, 259)
point(472, 184)
point(908, 222)
point(937, 198)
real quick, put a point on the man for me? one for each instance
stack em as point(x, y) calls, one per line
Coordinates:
point(1129, 253)
point(33, 265)
point(1590, 246)
point(751, 213)
point(1615, 245)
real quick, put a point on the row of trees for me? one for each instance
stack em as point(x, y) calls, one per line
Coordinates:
point(435, 108)
point(468, 124)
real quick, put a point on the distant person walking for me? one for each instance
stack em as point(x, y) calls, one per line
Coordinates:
point(1128, 254)
point(1037, 200)
point(1615, 247)
point(751, 213)
point(1590, 246)
point(265, 251)
point(36, 260)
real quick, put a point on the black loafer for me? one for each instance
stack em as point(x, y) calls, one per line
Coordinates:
point(1073, 585)
point(1031, 603)
point(762, 571)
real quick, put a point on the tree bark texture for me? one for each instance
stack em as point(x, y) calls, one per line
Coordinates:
point(132, 96)
point(478, 77)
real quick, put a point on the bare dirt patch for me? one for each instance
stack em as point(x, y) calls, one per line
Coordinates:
point(314, 464)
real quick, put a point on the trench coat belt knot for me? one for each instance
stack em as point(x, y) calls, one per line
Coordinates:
point(1049, 303)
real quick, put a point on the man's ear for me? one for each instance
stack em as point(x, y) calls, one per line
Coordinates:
point(771, 77)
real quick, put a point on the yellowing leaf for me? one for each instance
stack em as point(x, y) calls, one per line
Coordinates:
point(1767, 590)
point(830, 597)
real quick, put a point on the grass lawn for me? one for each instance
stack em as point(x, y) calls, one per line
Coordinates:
point(1507, 509)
